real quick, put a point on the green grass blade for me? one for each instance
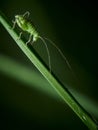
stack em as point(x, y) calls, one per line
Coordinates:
point(64, 93)
point(26, 76)
point(29, 77)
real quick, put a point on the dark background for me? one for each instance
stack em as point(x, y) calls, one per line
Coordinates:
point(73, 25)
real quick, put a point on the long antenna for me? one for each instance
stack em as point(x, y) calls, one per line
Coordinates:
point(59, 52)
point(47, 52)
point(26, 13)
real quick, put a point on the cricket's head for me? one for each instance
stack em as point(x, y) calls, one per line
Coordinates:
point(20, 21)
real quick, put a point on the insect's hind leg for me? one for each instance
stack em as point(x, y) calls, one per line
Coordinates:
point(30, 38)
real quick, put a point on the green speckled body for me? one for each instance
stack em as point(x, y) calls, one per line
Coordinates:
point(25, 25)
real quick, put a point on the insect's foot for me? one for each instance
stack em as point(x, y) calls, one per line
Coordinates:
point(27, 42)
point(18, 38)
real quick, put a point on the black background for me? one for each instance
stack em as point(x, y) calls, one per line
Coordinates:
point(73, 25)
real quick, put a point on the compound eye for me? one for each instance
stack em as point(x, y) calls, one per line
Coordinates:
point(16, 16)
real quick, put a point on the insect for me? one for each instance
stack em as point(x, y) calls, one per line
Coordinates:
point(23, 22)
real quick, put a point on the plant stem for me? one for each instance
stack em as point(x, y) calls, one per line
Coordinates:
point(62, 91)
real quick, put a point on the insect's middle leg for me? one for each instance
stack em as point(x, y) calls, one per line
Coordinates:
point(20, 35)
point(14, 23)
point(30, 38)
